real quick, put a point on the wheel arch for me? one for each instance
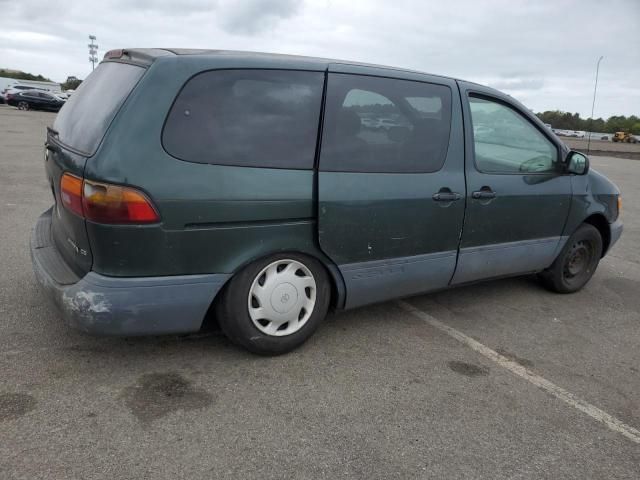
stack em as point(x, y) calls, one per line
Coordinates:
point(602, 225)
point(338, 288)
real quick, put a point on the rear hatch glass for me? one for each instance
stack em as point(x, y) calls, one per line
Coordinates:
point(85, 117)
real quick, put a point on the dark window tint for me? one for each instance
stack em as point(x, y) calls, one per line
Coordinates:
point(384, 125)
point(85, 117)
point(506, 142)
point(259, 118)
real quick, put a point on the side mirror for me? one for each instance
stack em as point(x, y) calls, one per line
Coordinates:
point(577, 163)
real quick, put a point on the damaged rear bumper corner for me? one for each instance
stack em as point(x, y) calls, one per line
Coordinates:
point(101, 305)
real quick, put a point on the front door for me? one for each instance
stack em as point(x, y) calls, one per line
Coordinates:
point(517, 195)
point(390, 182)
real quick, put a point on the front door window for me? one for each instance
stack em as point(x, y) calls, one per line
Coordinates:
point(506, 142)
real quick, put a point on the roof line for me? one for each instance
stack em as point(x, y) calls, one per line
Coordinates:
point(212, 52)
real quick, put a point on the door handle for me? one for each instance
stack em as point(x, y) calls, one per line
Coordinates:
point(485, 193)
point(446, 196)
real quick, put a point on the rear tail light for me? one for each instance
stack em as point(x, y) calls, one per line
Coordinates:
point(107, 203)
point(71, 193)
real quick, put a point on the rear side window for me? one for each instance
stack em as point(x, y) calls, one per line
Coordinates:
point(85, 117)
point(251, 118)
point(385, 125)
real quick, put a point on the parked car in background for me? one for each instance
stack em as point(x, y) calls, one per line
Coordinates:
point(35, 100)
point(246, 184)
point(15, 89)
point(387, 123)
point(370, 122)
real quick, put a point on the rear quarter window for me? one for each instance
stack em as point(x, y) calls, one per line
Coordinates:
point(252, 118)
point(85, 117)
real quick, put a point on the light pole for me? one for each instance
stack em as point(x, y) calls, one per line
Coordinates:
point(593, 104)
point(93, 49)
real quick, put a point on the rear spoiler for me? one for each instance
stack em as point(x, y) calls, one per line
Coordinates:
point(138, 56)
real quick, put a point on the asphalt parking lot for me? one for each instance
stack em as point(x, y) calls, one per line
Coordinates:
point(396, 390)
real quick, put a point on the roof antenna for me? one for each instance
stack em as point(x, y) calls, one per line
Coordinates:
point(595, 87)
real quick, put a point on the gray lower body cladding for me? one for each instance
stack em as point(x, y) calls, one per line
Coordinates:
point(102, 305)
point(506, 259)
point(376, 281)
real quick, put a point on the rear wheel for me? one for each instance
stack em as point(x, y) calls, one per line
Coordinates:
point(23, 106)
point(577, 261)
point(273, 305)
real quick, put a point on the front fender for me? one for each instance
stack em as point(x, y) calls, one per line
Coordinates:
point(593, 194)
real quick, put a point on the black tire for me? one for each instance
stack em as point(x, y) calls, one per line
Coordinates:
point(576, 263)
point(232, 309)
point(23, 106)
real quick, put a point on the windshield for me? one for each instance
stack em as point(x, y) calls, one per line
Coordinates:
point(85, 117)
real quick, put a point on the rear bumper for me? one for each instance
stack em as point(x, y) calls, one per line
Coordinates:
point(126, 306)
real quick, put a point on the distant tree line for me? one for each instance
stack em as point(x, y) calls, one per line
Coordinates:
point(71, 83)
point(568, 121)
point(22, 75)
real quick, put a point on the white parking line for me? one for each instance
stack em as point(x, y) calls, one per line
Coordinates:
point(594, 412)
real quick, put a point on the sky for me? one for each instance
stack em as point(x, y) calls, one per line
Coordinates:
point(542, 52)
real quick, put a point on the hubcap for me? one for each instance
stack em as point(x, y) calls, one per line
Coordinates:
point(578, 259)
point(282, 297)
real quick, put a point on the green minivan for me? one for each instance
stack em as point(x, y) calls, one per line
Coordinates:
point(262, 190)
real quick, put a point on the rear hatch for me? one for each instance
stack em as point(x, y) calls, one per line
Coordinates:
point(74, 138)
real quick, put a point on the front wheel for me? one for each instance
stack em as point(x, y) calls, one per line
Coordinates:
point(273, 305)
point(577, 261)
